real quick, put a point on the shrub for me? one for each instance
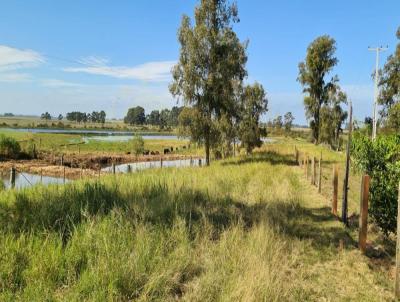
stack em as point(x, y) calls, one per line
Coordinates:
point(381, 160)
point(9, 147)
point(137, 144)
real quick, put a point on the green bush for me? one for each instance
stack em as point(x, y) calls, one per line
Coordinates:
point(381, 160)
point(137, 145)
point(9, 147)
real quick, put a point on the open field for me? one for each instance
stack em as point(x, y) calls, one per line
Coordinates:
point(244, 229)
point(36, 122)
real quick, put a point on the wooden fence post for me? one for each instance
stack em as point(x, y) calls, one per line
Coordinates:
point(113, 168)
point(320, 173)
point(161, 162)
point(335, 183)
point(199, 162)
point(62, 160)
point(41, 175)
point(397, 282)
point(363, 224)
point(12, 177)
point(313, 171)
point(296, 154)
point(64, 175)
point(306, 167)
point(129, 169)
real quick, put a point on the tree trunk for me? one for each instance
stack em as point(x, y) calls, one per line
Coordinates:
point(207, 147)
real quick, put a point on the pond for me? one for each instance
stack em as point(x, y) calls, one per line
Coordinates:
point(23, 180)
point(136, 166)
point(99, 135)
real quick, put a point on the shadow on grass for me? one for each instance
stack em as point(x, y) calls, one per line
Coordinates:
point(63, 209)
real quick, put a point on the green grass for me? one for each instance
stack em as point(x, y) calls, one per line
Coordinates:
point(245, 229)
point(36, 122)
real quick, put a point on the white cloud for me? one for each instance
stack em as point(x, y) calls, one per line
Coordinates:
point(13, 58)
point(59, 83)
point(94, 61)
point(151, 71)
point(14, 77)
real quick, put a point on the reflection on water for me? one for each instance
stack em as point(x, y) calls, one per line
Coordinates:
point(101, 135)
point(23, 180)
point(136, 166)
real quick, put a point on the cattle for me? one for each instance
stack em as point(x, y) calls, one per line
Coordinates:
point(146, 152)
point(184, 147)
point(156, 153)
point(167, 151)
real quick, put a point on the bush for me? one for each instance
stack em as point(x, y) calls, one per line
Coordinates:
point(137, 145)
point(381, 160)
point(9, 147)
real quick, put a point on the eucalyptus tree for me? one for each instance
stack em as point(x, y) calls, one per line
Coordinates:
point(288, 119)
point(390, 82)
point(254, 104)
point(211, 62)
point(332, 118)
point(313, 73)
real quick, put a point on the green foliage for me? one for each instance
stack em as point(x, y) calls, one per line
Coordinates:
point(254, 104)
point(137, 143)
point(393, 121)
point(9, 147)
point(211, 64)
point(390, 81)
point(288, 121)
point(135, 116)
point(319, 62)
point(45, 116)
point(332, 118)
point(2, 185)
point(381, 160)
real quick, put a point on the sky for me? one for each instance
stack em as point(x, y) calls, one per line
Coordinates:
point(61, 56)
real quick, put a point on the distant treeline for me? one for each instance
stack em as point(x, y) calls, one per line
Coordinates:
point(83, 117)
point(162, 118)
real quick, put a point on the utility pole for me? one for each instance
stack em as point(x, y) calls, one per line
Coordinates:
point(376, 93)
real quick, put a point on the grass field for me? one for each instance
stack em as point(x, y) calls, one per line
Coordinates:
point(36, 122)
point(245, 229)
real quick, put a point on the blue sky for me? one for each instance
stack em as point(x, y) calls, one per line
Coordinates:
point(60, 56)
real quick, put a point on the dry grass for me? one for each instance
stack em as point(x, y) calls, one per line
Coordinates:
point(245, 229)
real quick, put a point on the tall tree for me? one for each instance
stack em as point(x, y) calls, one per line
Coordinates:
point(45, 116)
point(332, 118)
point(254, 104)
point(319, 62)
point(390, 81)
point(135, 116)
point(154, 118)
point(212, 60)
point(288, 121)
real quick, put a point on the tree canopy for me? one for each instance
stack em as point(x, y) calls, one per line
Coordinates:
point(211, 63)
point(313, 72)
point(390, 85)
point(135, 116)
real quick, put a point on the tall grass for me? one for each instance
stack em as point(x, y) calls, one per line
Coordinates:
point(241, 230)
